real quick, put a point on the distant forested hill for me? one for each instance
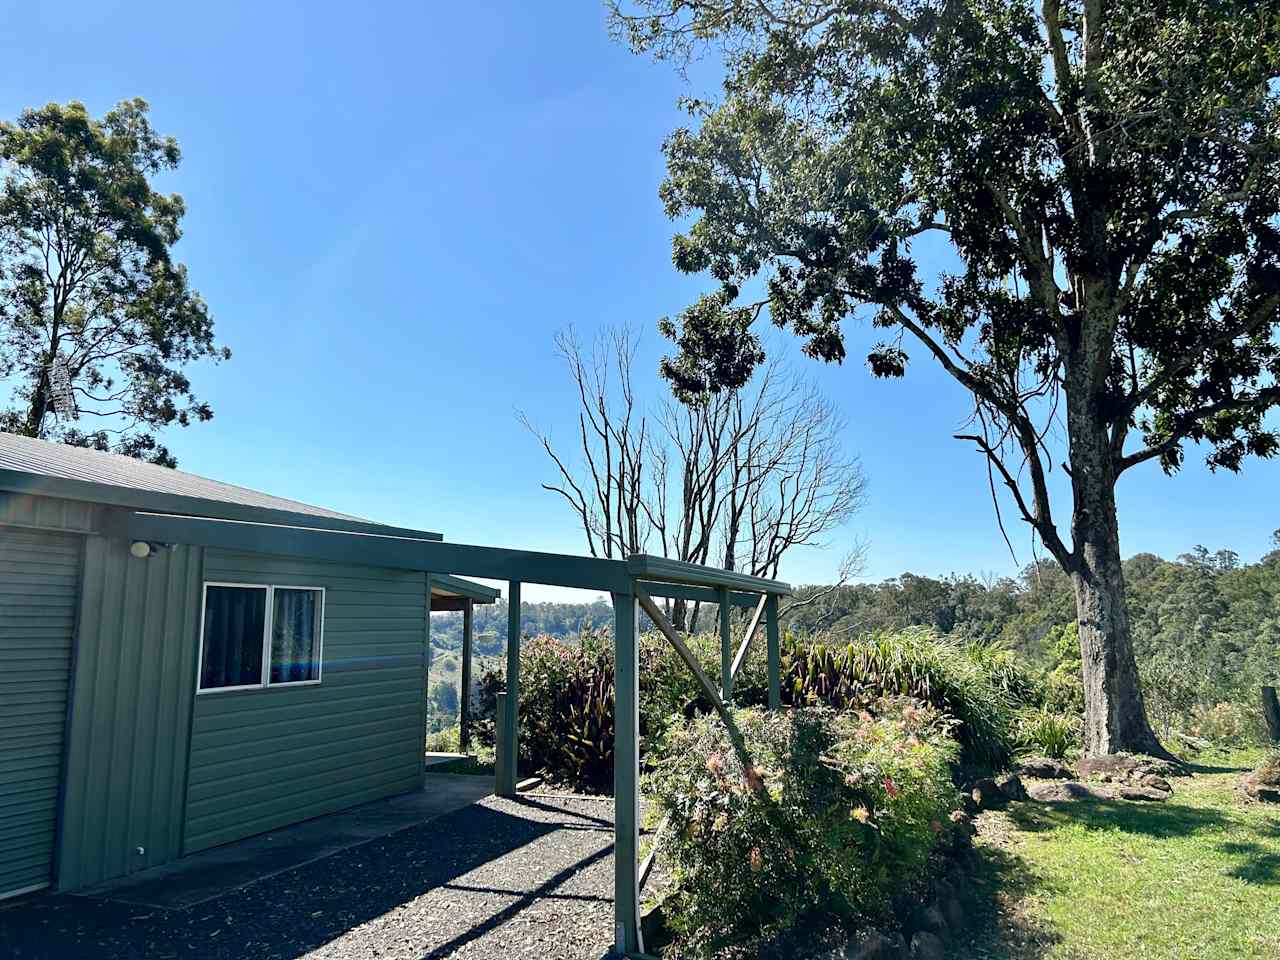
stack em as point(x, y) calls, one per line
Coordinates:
point(555, 619)
point(1205, 611)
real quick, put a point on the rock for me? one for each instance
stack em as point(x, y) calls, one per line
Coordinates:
point(928, 946)
point(986, 794)
point(903, 905)
point(1062, 791)
point(879, 946)
point(1125, 768)
point(1012, 788)
point(928, 919)
point(1155, 783)
point(954, 914)
point(962, 829)
point(1131, 792)
point(653, 928)
point(1045, 768)
point(1260, 789)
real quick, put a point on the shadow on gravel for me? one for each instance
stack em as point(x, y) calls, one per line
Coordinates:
point(288, 915)
point(1162, 820)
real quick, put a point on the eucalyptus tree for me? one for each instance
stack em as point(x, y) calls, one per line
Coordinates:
point(1105, 180)
point(97, 321)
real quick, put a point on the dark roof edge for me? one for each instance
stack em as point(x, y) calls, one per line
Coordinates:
point(457, 586)
point(20, 481)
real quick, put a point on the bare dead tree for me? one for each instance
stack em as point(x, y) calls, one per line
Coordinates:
point(613, 438)
point(737, 479)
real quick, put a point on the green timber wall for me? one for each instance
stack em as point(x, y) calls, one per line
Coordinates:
point(261, 759)
point(39, 589)
point(132, 690)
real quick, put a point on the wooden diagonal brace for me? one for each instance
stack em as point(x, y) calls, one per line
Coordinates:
point(660, 620)
point(741, 656)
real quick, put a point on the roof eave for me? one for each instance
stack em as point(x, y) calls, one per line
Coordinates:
point(20, 481)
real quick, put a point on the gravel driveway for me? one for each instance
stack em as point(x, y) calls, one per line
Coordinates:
point(531, 877)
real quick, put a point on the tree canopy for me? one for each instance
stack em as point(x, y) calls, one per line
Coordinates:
point(1106, 180)
point(97, 321)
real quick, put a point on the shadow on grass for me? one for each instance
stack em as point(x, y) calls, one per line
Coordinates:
point(1260, 865)
point(1000, 928)
point(1214, 768)
point(1160, 819)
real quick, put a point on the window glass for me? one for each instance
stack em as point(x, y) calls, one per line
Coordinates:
point(234, 621)
point(295, 635)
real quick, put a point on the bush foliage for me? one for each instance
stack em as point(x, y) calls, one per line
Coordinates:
point(950, 677)
point(834, 814)
point(566, 693)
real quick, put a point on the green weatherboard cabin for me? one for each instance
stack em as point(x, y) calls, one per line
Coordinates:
point(159, 698)
point(185, 663)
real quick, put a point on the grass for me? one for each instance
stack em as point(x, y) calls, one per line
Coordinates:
point(1196, 877)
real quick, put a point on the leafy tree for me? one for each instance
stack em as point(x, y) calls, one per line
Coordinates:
point(1105, 178)
point(96, 319)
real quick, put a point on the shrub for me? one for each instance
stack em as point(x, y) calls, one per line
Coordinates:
point(566, 709)
point(836, 814)
point(1064, 684)
point(444, 741)
point(1008, 673)
point(566, 693)
point(914, 663)
point(1047, 733)
point(1268, 771)
point(1227, 724)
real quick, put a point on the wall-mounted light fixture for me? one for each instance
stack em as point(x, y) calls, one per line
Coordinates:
point(141, 549)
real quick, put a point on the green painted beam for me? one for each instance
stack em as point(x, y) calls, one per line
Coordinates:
point(626, 776)
point(19, 481)
point(490, 563)
point(683, 591)
point(644, 567)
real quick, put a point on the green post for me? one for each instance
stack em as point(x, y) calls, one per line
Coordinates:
point(726, 646)
point(426, 681)
point(775, 653)
point(464, 698)
point(626, 775)
point(503, 786)
point(507, 776)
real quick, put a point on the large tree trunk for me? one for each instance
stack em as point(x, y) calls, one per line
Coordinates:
point(1115, 719)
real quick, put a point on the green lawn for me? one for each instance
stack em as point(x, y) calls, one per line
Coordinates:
point(1193, 878)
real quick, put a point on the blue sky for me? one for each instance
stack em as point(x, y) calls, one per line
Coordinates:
point(393, 210)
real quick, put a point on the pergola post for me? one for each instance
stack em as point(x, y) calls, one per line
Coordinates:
point(773, 642)
point(726, 646)
point(626, 776)
point(464, 701)
point(425, 714)
point(510, 720)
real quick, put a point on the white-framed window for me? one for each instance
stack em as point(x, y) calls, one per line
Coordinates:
point(255, 635)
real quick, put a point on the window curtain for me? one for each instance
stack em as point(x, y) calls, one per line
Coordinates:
point(293, 636)
point(234, 618)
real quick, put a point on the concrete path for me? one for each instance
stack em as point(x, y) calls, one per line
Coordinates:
point(215, 873)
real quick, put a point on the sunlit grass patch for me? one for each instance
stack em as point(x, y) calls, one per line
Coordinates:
point(1193, 878)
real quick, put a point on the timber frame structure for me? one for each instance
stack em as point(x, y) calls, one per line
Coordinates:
point(633, 584)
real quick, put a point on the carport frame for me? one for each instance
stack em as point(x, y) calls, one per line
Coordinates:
point(630, 583)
